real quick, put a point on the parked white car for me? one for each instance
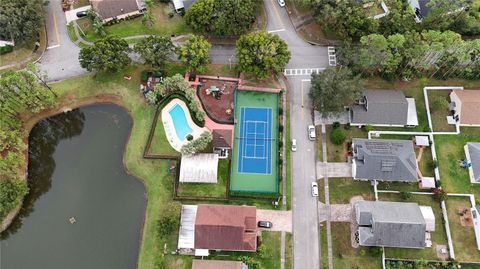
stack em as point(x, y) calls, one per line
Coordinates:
point(314, 189)
point(294, 144)
point(281, 3)
point(311, 132)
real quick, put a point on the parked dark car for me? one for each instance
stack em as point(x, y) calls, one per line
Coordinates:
point(81, 14)
point(265, 224)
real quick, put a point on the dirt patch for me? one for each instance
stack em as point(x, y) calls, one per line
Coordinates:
point(466, 219)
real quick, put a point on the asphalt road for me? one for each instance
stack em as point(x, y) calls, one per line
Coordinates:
point(305, 214)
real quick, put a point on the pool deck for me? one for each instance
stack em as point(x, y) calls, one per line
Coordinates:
point(169, 127)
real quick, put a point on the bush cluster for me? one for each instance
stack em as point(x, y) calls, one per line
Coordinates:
point(197, 145)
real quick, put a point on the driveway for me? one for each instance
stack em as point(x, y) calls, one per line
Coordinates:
point(281, 220)
point(334, 169)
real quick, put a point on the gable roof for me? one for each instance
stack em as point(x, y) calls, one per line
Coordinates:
point(383, 159)
point(390, 224)
point(469, 107)
point(222, 138)
point(474, 152)
point(226, 227)
point(112, 8)
point(387, 107)
point(199, 168)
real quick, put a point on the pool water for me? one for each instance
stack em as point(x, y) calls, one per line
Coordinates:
point(182, 129)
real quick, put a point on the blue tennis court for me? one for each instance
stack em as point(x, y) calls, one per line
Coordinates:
point(255, 145)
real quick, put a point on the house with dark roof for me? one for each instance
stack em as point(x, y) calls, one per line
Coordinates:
point(472, 152)
point(383, 108)
point(384, 160)
point(390, 224)
point(222, 142)
point(465, 107)
point(117, 9)
point(218, 227)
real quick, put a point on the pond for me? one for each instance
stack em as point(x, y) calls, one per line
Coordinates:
point(76, 171)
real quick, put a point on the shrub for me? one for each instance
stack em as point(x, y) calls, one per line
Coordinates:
point(280, 111)
point(367, 128)
point(376, 251)
point(439, 194)
point(405, 195)
point(335, 124)
point(280, 128)
point(280, 144)
point(338, 136)
point(439, 103)
point(151, 98)
point(6, 49)
point(347, 126)
point(189, 137)
point(197, 145)
point(169, 219)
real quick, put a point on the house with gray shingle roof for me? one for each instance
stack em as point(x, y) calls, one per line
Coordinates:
point(390, 224)
point(384, 108)
point(472, 152)
point(384, 160)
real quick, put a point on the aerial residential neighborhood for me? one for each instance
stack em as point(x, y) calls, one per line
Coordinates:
point(240, 134)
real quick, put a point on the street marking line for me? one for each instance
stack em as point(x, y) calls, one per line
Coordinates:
point(279, 30)
point(52, 47)
point(56, 28)
point(302, 71)
point(302, 100)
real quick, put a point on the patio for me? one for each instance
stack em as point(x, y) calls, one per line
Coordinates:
point(217, 97)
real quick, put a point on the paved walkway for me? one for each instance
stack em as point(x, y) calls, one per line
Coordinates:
point(281, 220)
point(334, 169)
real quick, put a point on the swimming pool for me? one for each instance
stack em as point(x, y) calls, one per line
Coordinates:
point(182, 129)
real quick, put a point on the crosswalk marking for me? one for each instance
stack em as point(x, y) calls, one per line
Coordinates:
point(302, 71)
point(332, 57)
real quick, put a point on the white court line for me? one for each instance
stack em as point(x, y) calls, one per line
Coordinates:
point(275, 31)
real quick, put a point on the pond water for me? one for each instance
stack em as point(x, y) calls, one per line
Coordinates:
point(76, 170)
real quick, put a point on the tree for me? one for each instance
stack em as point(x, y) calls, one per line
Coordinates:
point(147, 18)
point(261, 53)
point(405, 195)
point(334, 88)
point(155, 50)
point(221, 17)
point(20, 20)
point(197, 145)
point(194, 53)
point(399, 20)
point(108, 54)
point(11, 193)
point(338, 136)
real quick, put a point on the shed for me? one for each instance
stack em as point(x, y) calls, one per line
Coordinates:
point(199, 168)
point(429, 217)
point(422, 140)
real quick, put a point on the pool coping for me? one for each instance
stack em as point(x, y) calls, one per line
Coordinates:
point(169, 127)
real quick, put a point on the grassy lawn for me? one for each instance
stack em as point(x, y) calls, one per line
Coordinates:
point(345, 256)
point(208, 190)
point(464, 242)
point(163, 25)
point(160, 144)
point(439, 236)
point(439, 116)
point(342, 189)
point(323, 244)
point(21, 52)
point(338, 153)
point(399, 186)
point(449, 151)
point(289, 156)
point(288, 251)
point(319, 145)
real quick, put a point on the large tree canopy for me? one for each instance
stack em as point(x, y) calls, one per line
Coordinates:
point(334, 88)
point(109, 54)
point(194, 52)
point(222, 17)
point(20, 20)
point(155, 50)
point(261, 53)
